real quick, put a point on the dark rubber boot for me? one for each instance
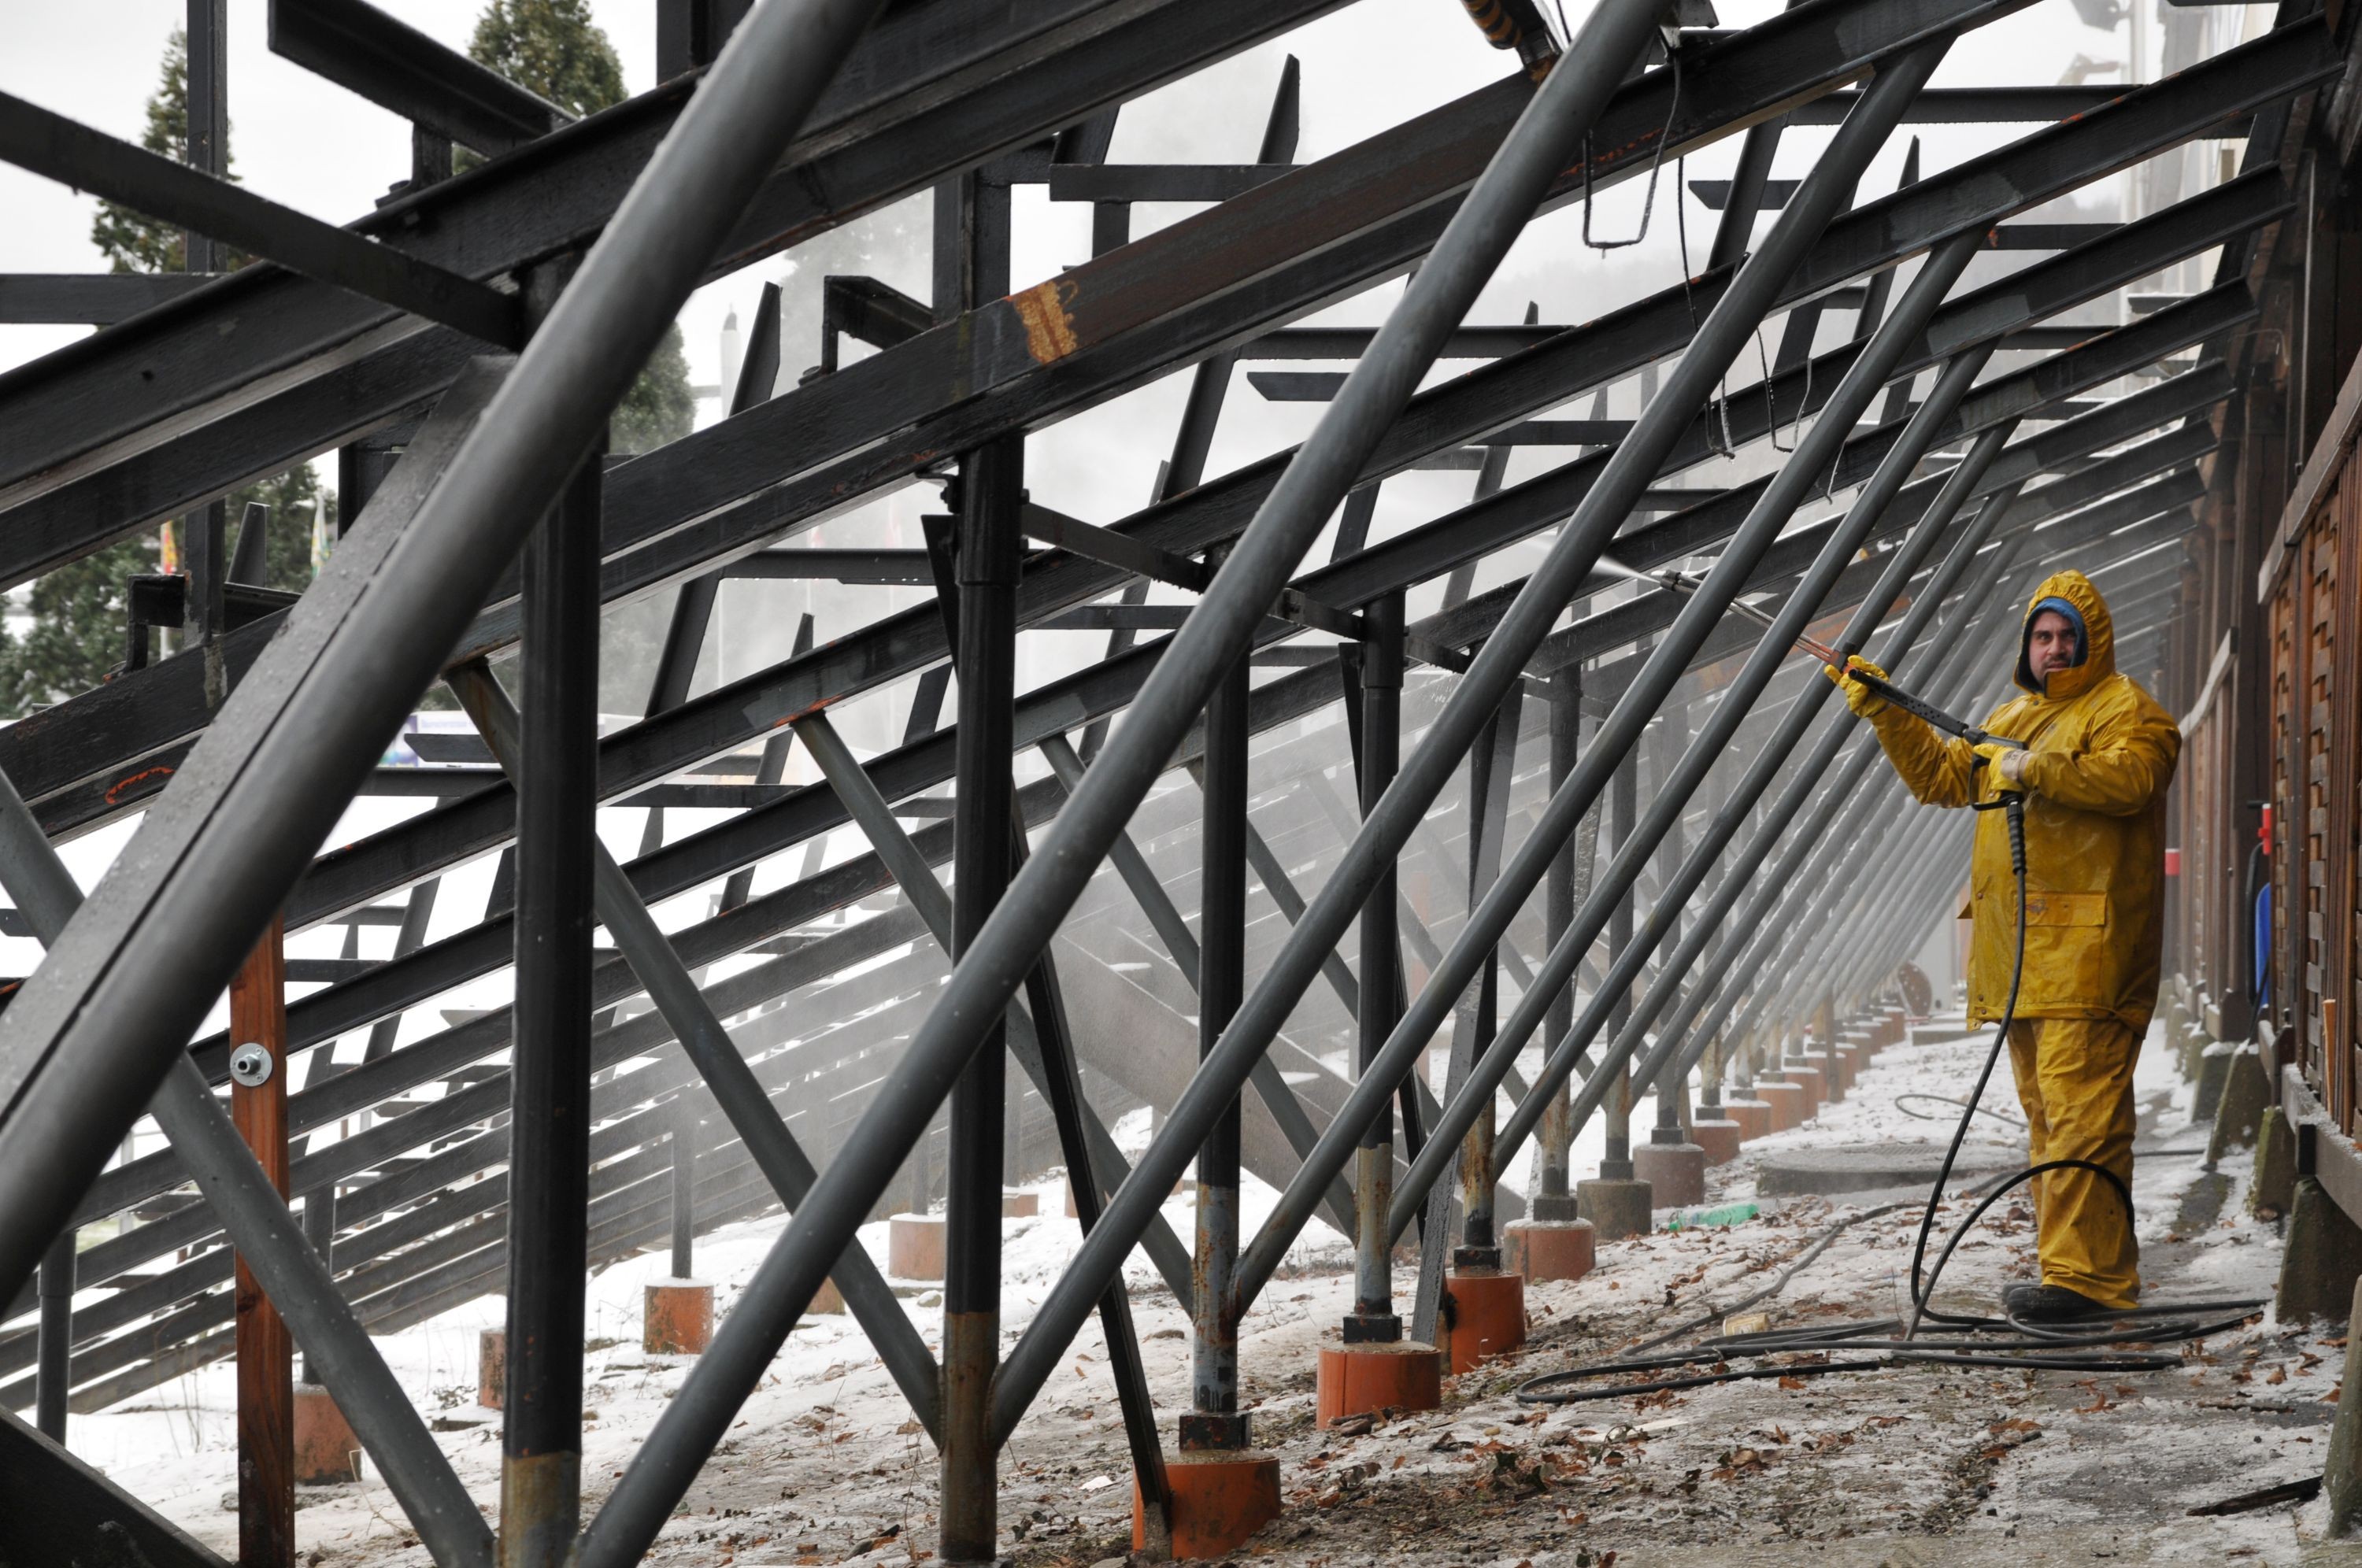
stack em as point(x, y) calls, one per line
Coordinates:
point(2053, 1304)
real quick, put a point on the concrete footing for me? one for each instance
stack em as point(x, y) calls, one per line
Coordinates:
point(1790, 1106)
point(1813, 1086)
point(2341, 1480)
point(1019, 1205)
point(2322, 1260)
point(914, 1246)
point(1676, 1172)
point(1753, 1116)
point(1548, 1249)
point(491, 1367)
point(1719, 1138)
point(1353, 1380)
point(677, 1318)
point(2273, 1191)
point(1830, 1090)
point(1616, 1208)
point(1220, 1499)
point(827, 1300)
point(2214, 1072)
point(2239, 1114)
point(326, 1450)
point(1488, 1316)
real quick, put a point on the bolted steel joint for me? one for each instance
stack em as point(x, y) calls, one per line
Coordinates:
point(250, 1065)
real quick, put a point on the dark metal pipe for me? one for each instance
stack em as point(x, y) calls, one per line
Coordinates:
point(1373, 1318)
point(549, 1078)
point(1569, 884)
point(1214, 1420)
point(53, 1368)
point(682, 1140)
point(989, 545)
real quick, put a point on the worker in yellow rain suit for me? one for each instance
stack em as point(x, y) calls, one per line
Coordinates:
point(2099, 754)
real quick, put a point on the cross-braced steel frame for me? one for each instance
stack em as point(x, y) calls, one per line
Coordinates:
point(1213, 834)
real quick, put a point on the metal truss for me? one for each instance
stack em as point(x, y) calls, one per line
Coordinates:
point(1250, 782)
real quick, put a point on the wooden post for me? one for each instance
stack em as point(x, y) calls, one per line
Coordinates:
point(266, 1379)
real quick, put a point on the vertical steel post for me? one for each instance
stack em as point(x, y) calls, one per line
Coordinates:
point(1623, 807)
point(971, 267)
point(205, 89)
point(204, 547)
point(683, 1139)
point(1373, 1318)
point(1670, 1085)
point(266, 1352)
point(1490, 763)
point(1553, 1201)
point(549, 1084)
point(53, 1350)
point(1215, 1421)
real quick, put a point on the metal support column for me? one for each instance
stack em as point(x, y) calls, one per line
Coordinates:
point(1569, 877)
point(266, 1366)
point(1215, 1421)
point(972, 266)
point(1490, 765)
point(549, 1084)
point(53, 1352)
point(1623, 806)
point(1373, 1318)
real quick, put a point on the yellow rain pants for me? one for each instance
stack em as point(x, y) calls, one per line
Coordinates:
point(2075, 1080)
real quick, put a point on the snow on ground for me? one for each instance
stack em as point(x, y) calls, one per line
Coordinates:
point(1911, 1466)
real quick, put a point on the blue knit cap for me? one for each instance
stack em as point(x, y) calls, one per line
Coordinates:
point(2074, 619)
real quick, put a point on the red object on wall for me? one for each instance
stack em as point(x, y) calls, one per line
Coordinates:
point(2173, 863)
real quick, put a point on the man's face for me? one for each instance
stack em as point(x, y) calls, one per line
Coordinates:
point(2050, 646)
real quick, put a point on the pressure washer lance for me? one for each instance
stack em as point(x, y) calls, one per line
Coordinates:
point(1681, 582)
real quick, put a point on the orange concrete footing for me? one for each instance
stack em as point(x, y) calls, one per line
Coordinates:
point(491, 1367)
point(1019, 1205)
point(1815, 1088)
point(1488, 1316)
point(1719, 1138)
point(1353, 1380)
point(914, 1246)
point(677, 1318)
point(1544, 1249)
point(1832, 1087)
point(1676, 1172)
point(827, 1300)
point(1789, 1107)
point(326, 1450)
point(1219, 1500)
point(1753, 1116)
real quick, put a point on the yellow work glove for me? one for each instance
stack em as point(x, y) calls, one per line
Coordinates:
point(2007, 763)
point(1869, 704)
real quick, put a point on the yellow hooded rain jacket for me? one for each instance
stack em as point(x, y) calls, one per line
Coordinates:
point(2104, 753)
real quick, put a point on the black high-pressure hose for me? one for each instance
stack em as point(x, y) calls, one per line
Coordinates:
point(2034, 1348)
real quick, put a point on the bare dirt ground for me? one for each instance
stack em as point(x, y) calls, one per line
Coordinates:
point(1903, 1466)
